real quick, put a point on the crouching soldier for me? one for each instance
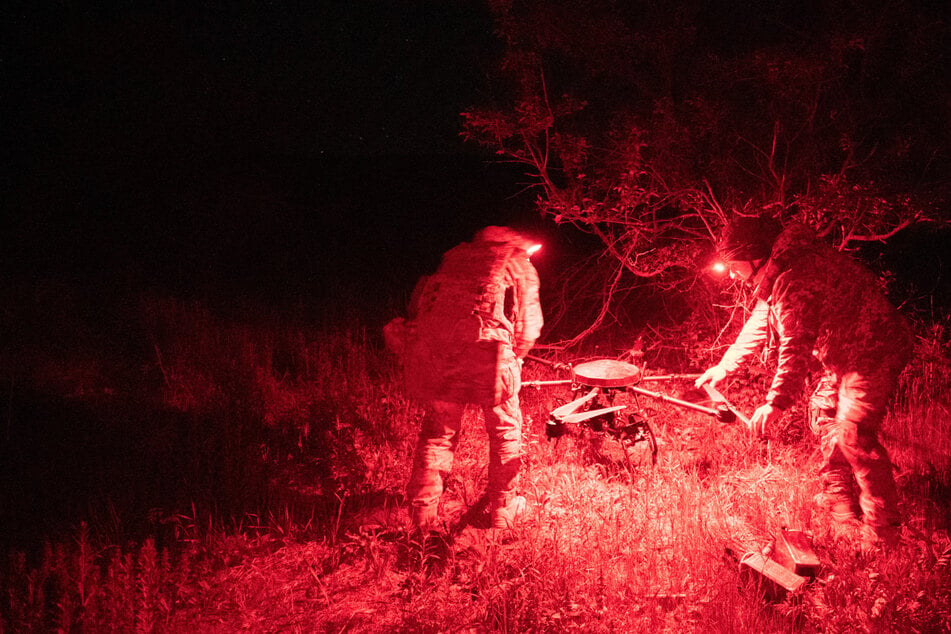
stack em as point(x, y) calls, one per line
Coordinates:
point(470, 324)
point(813, 300)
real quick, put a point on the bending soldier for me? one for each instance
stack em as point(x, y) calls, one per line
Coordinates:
point(813, 300)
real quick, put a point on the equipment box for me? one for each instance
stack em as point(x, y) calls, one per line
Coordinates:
point(793, 550)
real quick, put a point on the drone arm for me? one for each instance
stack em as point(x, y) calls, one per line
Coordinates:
point(676, 401)
point(720, 400)
point(547, 383)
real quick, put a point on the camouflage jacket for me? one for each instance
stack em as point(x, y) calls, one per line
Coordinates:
point(814, 300)
point(472, 319)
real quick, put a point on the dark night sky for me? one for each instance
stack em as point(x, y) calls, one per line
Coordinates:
point(360, 78)
point(247, 143)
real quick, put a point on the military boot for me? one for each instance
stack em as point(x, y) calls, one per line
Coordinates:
point(508, 515)
point(840, 507)
point(424, 517)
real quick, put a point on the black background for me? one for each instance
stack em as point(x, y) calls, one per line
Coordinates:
point(268, 150)
point(250, 148)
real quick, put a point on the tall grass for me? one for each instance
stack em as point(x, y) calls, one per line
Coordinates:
point(284, 510)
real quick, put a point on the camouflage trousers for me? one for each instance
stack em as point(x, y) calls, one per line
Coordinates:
point(436, 446)
point(846, 413)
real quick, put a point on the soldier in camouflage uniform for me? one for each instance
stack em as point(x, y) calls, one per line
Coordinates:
point(471, 324)
point(813, 301)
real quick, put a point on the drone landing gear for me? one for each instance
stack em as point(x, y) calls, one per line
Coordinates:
point(589, 413)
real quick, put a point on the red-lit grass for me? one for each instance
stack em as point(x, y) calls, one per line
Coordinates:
point(293, 519)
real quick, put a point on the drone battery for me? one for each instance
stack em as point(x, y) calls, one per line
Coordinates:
point(774, 580)
point(794, 551)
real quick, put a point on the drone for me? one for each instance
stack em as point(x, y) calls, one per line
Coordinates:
point(595, 385)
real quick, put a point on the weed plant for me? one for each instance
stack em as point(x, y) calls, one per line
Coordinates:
point(276, 454)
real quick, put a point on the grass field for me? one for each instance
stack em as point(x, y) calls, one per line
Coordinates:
point(183, 466)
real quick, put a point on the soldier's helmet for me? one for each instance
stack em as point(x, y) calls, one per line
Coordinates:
point(504, 235)
point(748, 238)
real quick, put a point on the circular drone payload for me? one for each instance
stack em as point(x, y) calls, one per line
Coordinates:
point(606, 373)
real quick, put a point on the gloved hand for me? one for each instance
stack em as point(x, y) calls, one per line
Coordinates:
point(712, 376)
point(763, 417)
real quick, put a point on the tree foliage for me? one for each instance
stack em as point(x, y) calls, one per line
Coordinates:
point(647, 122)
